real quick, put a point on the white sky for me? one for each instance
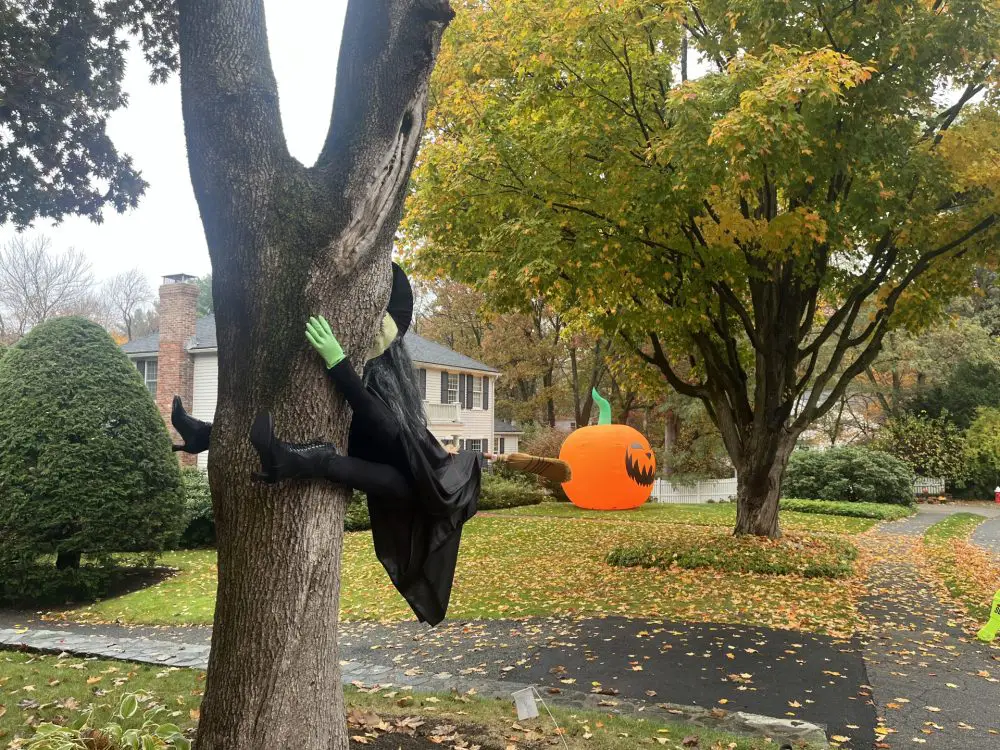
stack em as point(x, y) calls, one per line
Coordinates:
point(163, 235)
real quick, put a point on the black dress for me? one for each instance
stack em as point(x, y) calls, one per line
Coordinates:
point(419, 496)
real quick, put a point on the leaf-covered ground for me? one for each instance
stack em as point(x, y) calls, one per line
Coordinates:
point(713, 514)
point(970, 574)
point(43, 688)
point(807, 555)
point(36, 688)
point(518, 567)
point(934, 684)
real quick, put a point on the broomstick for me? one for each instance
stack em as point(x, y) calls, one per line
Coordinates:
point(550, 468)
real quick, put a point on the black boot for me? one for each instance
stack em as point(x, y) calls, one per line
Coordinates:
point(280, 460)
point(196, 433)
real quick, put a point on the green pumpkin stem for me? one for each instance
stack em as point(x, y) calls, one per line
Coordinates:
point(603, 406)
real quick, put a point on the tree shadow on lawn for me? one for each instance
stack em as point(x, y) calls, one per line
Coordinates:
point(114, 583)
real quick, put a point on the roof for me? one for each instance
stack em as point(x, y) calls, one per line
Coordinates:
point(419, 348)
point(432, 353)
point(506, 428)
point(204, 338)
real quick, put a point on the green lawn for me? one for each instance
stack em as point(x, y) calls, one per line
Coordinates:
point(524, 566)
point(39, 688)
point(714, 514)
point(970, 574)
point(957, 526)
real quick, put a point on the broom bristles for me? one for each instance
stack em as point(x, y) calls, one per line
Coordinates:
point(550, 468)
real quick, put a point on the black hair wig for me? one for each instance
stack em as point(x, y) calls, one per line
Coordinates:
point(392, 376)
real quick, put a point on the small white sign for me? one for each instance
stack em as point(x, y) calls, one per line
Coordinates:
point(524, 700)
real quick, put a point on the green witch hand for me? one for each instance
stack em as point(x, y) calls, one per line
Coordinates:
point(323, 341)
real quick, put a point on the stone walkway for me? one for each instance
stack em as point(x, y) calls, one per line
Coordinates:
point(933, 685)
point(177, 653)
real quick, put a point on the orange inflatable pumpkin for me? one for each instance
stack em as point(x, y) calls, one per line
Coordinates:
point(613, 465)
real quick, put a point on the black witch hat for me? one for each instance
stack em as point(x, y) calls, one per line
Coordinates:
point(400, 300)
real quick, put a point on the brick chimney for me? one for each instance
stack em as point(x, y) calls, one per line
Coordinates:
point(175, 375)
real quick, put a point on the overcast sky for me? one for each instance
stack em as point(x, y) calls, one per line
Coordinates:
point(164, 235)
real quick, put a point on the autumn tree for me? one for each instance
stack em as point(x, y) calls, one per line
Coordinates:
point(288, 240)
point(807, 193)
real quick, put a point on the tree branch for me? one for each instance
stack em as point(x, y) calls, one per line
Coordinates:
point(378, 116)
point(235, 142)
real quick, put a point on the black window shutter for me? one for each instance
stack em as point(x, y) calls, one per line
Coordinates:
point(444, 388)
point(423, 383)
point(501, 445)
point(486, 392)
point(461, 390)
point(468, 391)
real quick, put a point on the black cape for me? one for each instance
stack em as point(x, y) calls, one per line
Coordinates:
point(417, 540)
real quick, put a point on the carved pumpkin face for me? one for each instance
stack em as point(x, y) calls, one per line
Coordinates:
point(640, 463)
point(613, 467)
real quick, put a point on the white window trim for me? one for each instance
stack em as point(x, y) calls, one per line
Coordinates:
point(144, 373)
point(477, 392)
point(453, 395)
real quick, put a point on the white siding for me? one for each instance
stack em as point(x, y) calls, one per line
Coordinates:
point(475, 423)
point(510, 442)
point(206, 393)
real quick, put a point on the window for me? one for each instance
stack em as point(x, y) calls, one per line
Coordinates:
point(148, 370)
point(474, 445)
point(452, 388)
point(477, 393)
point(498, 446)
point(422, 374)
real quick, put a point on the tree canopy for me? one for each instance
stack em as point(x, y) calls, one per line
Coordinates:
point(61, 76)
point(754, 232)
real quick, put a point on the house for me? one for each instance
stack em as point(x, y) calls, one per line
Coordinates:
point(183, 359)
point(505, 437)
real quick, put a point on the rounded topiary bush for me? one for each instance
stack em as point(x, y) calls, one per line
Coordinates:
point(849, 475)
point(85, 461)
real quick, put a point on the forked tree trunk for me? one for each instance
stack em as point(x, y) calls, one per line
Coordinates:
point(287, 242)
point(758, 486)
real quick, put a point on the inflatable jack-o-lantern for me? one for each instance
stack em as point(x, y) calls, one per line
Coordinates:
point(613, 465)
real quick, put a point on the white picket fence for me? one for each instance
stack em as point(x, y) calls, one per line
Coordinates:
point(928, 486)
point(725, 489)
point(700, 492)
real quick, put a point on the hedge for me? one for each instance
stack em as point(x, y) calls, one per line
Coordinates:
point(880, 511)
point(85, 460)
point(807, 556)
point(848, 475)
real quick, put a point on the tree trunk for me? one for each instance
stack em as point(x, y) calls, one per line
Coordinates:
point(66, 560)
point(670, 430)
point(550, 405)
point(288, 241)
point(758, 485)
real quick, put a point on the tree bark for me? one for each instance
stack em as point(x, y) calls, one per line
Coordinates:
point(670, 426)
point(758, 485)
point(288, 241)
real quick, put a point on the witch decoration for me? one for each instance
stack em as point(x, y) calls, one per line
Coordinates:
point(419, 494)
